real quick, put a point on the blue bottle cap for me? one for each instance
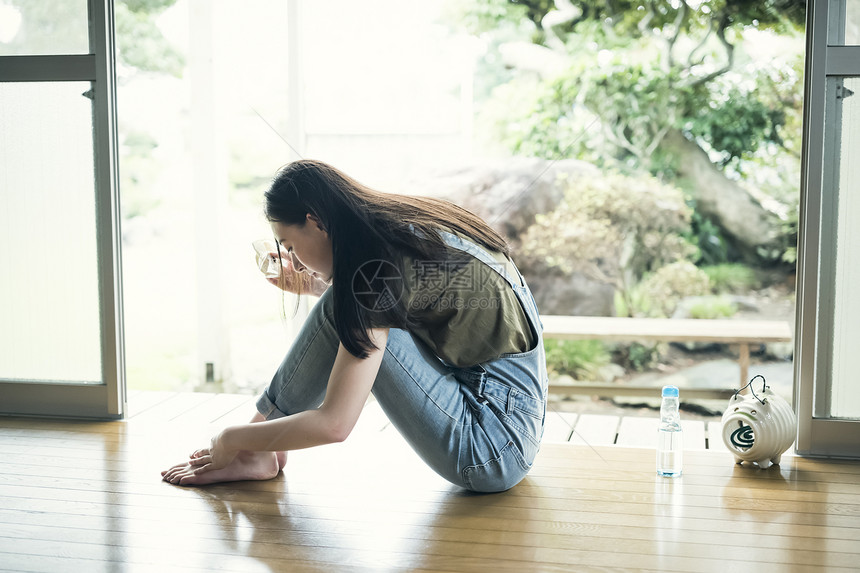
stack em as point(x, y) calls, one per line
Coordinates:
point(670, 391)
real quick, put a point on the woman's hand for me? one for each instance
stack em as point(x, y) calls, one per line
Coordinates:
point(215, 457)
point(294, 281)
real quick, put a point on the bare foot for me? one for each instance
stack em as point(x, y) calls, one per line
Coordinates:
point(246, 466)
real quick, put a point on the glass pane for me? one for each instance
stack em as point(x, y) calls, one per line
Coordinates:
point(39, 27)
point(49, 300)
point(845, 389)
point(852, 22)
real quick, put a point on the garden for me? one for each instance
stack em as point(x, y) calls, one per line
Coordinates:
point(643, 158)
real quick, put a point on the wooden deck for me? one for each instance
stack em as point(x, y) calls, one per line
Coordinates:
point(740, 333)
point(82, 496)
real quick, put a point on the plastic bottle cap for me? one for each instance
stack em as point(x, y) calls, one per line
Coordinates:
point(670, 391)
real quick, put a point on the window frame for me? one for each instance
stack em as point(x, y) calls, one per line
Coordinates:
point(107, 399)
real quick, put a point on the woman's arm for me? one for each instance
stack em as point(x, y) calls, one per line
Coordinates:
point(348, 387)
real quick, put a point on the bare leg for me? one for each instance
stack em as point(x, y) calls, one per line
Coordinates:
point(247, 466)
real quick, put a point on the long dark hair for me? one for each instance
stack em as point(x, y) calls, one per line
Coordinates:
point(366, 225)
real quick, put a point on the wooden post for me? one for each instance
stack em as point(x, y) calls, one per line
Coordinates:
point(209, 181)
point(744, 361)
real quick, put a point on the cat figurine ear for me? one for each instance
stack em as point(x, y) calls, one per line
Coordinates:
point(758, 428)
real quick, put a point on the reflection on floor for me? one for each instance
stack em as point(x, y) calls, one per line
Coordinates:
point(84, 496)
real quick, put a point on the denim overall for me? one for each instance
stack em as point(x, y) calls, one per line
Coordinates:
point(479, 427)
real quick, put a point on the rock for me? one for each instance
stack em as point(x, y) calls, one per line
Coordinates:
point(564, 379)
point(575, 294)
point(746, 224)
point(508, 194)
point(611, 372)
point(779, 350)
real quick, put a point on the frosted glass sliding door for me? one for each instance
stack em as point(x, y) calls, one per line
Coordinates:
point(60, 296)
point(844, 396)
point(49, 271)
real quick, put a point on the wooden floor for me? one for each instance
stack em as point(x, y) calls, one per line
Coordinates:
point(87, 497)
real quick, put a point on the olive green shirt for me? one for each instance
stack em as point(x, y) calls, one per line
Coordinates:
point(465, 311)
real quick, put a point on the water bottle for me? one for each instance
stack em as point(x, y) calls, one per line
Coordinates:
point(670, 447)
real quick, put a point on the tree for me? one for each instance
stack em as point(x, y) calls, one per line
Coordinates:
point(658, 86)
point(141, 44)
point(611, 228)
point(47, 27)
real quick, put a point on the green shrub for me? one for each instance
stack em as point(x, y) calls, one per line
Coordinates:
point(581, 359)
point(713, 307)
point(610, 227)
point(708, 239)
point(638, 357)
point(660, 292)
point(637, 303)
point(730, 277)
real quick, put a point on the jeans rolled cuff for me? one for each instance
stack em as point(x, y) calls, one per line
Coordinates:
point(267, 408)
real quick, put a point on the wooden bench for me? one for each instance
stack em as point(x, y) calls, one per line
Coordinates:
point(737, 332)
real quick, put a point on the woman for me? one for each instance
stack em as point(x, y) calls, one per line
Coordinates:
point(421, 305)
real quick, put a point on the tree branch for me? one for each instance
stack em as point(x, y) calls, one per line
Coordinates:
point(535, 10)
point(646, 21)
point(678, 24)
point(556, 21)
point(699, 46)
point(730, 55)
point(658, 139)
point(615, 134)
